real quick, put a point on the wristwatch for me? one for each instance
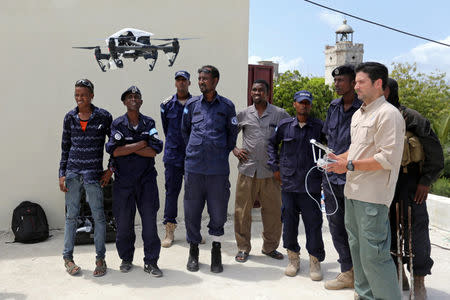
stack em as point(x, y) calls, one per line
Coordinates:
point(350, 166)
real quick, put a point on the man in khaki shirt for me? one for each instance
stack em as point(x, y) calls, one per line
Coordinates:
point(255, 179)
point(372, 163)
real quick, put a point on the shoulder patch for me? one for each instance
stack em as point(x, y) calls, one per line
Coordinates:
point(165, 101)
point(153, 131)
point(234, 121)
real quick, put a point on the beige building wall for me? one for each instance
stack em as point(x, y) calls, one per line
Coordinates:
point(38, 69)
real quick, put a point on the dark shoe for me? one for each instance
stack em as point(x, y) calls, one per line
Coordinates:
point(192, 264)
point(274, 254)
point(241, 257)
point(153, 270)
point(125, 266)
point(216, 258)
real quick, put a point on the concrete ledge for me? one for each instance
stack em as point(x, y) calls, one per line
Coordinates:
point(439, 211)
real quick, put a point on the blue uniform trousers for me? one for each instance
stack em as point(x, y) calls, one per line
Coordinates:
point(336, 222)
point(174, 180)
point(198, 190)
point(128, 194)
point(292, 205)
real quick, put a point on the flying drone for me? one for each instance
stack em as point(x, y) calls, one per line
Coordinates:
point(133, 43)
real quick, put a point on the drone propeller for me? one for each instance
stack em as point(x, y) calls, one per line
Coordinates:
point(174, 39)
point(165, 44)
point(88, 47)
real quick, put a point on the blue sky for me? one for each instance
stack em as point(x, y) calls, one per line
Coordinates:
point(295, 32)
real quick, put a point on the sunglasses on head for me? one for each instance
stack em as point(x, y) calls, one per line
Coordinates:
point(204, 70)
point(85, 83)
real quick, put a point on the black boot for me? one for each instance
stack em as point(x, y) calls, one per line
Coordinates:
point(216, 258)
point(192, 264)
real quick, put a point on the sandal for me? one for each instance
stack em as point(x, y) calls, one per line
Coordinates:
point(71, 267)
point(100, 267)
point(241, 256)
point(274, 254)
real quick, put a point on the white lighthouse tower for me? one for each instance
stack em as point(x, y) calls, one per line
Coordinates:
point(344, 52)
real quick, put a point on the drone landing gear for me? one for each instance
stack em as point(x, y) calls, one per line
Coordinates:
point(152, 57)
point(172, 58)
point(99, 56)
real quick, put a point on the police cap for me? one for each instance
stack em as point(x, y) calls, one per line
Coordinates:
point(343, 70)
point(132, 89)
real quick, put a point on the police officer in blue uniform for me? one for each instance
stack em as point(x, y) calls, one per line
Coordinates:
point(337, 131)
point(291, 166)
point(134, 143)
point(209, 128)
point(174, 151)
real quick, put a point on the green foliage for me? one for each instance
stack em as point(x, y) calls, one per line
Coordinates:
point(446, 172)
point(442, 129)
point(291, 82)
point(441, 187)
point(429, 94)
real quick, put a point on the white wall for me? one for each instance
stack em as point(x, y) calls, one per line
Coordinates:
point(38, 69)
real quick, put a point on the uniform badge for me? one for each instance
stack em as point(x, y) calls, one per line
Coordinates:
point(117, 136)
point(276, 128)
point(185, 111)
point(234, 121)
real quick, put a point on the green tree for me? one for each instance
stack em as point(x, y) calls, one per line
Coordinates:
point(291, 82)
point(429, 94)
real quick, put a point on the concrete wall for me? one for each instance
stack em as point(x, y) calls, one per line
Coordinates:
point(439, 211)
point(38, 69)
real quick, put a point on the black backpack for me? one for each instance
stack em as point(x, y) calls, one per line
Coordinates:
point(29, 223)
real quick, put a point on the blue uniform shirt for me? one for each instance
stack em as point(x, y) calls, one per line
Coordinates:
point(337, 130)
point(209, 131)
point(171, 114)
point(296, 157)
point(132, 167)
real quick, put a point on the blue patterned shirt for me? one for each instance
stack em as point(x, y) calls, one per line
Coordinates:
point(82, 151)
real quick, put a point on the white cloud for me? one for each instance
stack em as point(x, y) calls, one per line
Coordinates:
point(429, 57)
point(333, 20)
point(253, 60)
point(283, 64)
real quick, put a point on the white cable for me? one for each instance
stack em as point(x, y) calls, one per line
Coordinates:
point(331, 188)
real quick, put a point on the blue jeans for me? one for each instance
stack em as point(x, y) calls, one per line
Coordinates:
point(94, 196)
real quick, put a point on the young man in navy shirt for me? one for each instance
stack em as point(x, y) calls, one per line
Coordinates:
point(84, 131)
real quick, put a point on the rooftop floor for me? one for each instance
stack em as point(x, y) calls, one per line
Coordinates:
point(36, 271)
